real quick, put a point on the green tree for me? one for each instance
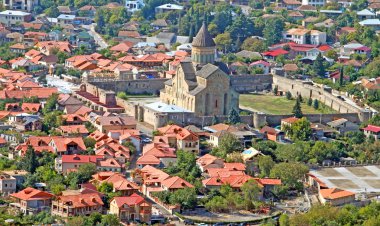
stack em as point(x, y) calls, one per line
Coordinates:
point(310, 102)
point(296, 152)
point(110, 220)
point(228, 144)
point(319, 67)
point(284, 220)
point(275, 90)
point(254, 44)
point(51, 103)
point(265, 165)
point(341, 77)
point(57, 189)
point(185, 166)
point(332, 54)
point(89, 142)
point(300, 130)
point(214, 120)
point(288, 95)
point(233, 117)
point(316, 104)
point(30, 160)
point(62, 56)
point(291, 174)
point(297, 111)
point(186, 197)
point(223, 41)
point(251, 193)
point(272, 31)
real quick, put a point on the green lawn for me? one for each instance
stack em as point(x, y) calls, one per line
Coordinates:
point(278, 105)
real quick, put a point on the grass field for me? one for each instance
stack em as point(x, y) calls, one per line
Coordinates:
point(278, 105)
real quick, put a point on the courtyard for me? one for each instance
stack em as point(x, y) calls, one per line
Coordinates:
point(277, 105)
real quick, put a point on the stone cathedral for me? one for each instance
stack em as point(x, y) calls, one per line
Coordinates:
point(201, 84)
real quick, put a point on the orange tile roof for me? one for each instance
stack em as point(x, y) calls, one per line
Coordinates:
point(2, 141)
point(31, 107)
point(62, 142)
point(119, 182)
point(81, 200)
point(63, 46)
point(236, 181)
point(151, 174)
point(122, 47)
point(18, 46)
point(159, 150)
point(81, 129)
point(176, 183)
point(81, 158)
point(207, 159)
point(42, 93)
point(110, 162)
point(335, 193)
point(73, 118)
point(148, 160)
point(268, 181)
point(235, 166)
point(290, 120)
point(223, 172)
point(131, 201)
point(178, 132)
point(32, 194)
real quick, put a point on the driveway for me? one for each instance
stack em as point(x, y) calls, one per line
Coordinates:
point(97, 37)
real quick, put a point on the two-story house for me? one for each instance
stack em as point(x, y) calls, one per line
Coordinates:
point(372, 131)
point(31, 201)
point(305, 36)
point(77, 205)
point(7, 184)
point(131, 208)
point(67, 145)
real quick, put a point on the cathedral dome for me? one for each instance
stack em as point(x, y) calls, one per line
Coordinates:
point(203, 38)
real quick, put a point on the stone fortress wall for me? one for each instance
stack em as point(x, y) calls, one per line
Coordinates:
point(243, 84)
point(309, 91)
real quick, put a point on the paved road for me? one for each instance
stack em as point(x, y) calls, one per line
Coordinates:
point(98, 38)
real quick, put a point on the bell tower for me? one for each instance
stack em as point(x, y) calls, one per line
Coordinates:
point(203, 47)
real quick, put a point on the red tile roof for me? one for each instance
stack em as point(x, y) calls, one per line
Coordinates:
point(32, 194)
point(290, 120)
point(335, 193)
point(62, 142)
point(131, 201)
point(235, 166)
point(176, 183)
point(73, 129)
point(81, 158)
point(372, 128)
point(42, 93)
point(268, 181)
point(151, 174)
point(148, 160)
point(31, 107)
point(81, 200)
point(275, 53)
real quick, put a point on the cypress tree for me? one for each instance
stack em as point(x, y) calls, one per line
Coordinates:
point(316, 104)
point(341, 77)
point(30, 160)
point(297, 111)
point(233, 117)
point(310, 102)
